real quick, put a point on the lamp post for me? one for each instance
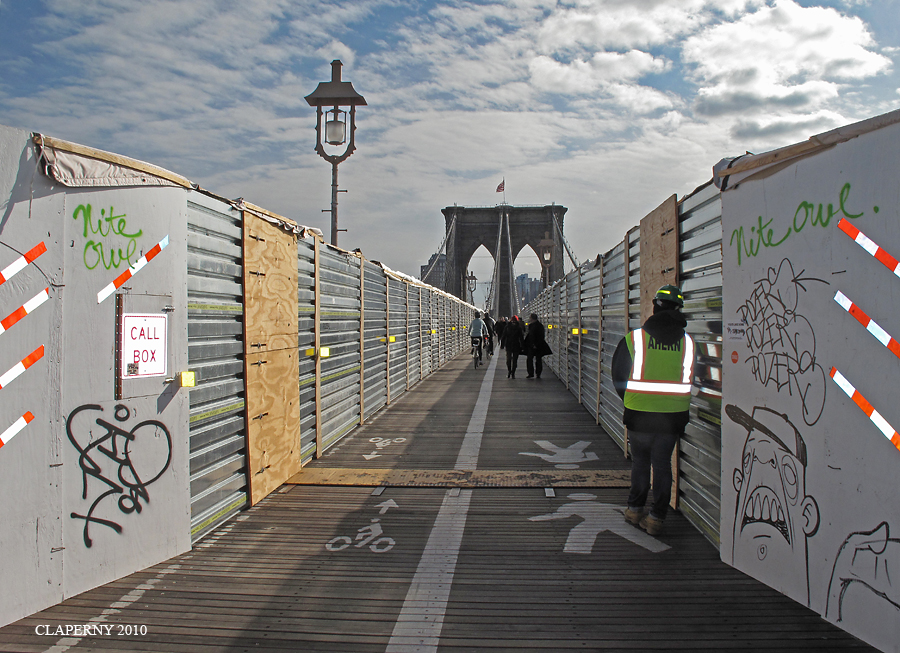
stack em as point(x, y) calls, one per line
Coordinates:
point(546, 246)
point(471, 283)
point(335, 94)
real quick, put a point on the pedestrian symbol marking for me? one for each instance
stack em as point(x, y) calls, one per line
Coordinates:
point(567, 458)
point(596, 518)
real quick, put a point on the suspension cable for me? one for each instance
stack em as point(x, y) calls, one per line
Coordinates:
point(565, 242)
point(440, 249)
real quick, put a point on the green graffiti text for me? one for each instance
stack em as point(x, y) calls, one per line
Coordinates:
point(109, 227)
point(807, 213)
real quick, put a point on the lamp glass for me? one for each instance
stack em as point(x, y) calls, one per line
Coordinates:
point(335, 130)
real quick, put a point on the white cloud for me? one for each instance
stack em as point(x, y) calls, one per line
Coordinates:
point(780, 57)
point(571, 101)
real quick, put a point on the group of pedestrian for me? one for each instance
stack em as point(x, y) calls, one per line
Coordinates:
point(516, 338)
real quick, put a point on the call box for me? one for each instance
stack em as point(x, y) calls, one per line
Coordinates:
point(143, 345)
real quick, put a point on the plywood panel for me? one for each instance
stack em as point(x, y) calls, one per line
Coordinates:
point(659, 252)
point(273, 420)
point(659, 266)
point(270, 279)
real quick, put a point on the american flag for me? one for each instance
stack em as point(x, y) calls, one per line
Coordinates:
point(502, 186)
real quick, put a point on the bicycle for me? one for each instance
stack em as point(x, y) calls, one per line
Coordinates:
point(476, 351)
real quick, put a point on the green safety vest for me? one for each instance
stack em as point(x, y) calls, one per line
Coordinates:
point(661, 375)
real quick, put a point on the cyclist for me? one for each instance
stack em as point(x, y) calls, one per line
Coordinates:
point(477, 331)
point(489, 323)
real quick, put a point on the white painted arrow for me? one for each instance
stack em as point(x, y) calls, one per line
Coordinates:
point(386, 505)
point(574, 453)
point(369, 456)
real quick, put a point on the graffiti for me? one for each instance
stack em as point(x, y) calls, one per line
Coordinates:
point(773, 514)
point(102, 251)
point(119, 462)
point(866, 560)
point(807, 213)
point(782, 341)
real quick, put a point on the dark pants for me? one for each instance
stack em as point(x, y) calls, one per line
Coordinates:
point(535, 365)
point(651, 450)
point(512, 361)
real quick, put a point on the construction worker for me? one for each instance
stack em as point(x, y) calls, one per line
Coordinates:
point(652, 370)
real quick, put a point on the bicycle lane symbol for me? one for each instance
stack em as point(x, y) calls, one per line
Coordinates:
point(371, 535)
point(381, 443)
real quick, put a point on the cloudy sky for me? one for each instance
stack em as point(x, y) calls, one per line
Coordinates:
point(604, 106)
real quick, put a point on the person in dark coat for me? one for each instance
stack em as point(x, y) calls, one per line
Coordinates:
point(514, 342)
point(536, 347)
point(498, 329)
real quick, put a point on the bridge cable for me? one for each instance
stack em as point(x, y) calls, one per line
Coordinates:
point(565, 242)
point(437, 256)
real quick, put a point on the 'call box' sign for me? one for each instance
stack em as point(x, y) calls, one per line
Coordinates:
point(143, 345)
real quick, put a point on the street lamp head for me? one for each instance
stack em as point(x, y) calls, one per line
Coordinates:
point(335, 93)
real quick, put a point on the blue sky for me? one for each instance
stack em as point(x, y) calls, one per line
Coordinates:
point(604, 106)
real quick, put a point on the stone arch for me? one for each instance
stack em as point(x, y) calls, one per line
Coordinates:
point(477, 226)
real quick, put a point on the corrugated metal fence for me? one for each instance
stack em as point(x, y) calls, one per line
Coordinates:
point(589, 311)
point(365, 335)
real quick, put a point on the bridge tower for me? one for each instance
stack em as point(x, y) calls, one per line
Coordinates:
point(504, 230)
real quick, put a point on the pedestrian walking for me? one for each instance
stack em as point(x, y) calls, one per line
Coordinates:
point(536, 347)
point(499, 325)
point(514, 341)
point(653, 370)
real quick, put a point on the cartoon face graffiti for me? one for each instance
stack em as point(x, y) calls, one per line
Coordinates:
point(773, 513)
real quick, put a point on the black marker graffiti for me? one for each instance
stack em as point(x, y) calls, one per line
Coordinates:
point(782, 340)
point(774, 516)
point(866, 559)
point(115, 467)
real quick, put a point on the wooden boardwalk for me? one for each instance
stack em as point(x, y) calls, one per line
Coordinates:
point(468, 516)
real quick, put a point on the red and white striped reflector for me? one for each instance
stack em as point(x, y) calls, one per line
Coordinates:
point(17, 426)
point(871, 326)
point(21, 366)
point(19, 264)
point(870, 246)
point(889, 431)
point(127, 274)
point(24, 310)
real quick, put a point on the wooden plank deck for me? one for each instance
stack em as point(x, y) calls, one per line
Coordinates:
point(489, 558)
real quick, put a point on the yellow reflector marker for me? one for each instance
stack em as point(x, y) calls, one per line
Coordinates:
point(584, 331)
point(324, 352)
point(392, 339)
point(575, 332)
point(311, 351)
point(188, 379)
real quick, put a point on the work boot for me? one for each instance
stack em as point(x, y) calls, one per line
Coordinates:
point(633, 517)
point(652, 525)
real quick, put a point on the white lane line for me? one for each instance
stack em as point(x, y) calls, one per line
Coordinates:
point(471, 446)
point(419, 625)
